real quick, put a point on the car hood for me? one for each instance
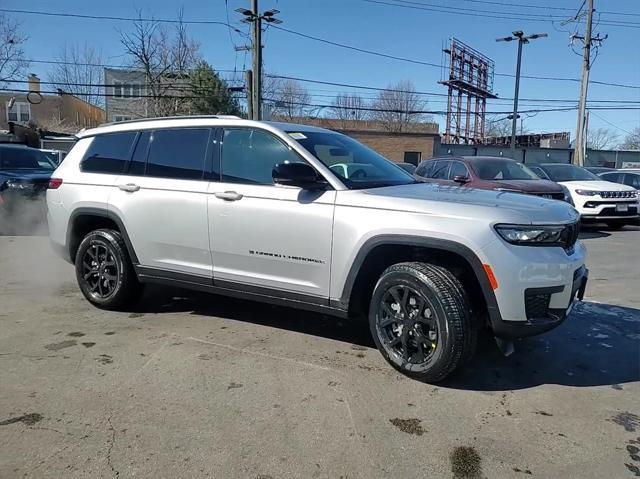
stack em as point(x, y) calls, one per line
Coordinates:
point(528, 186)
point(596, 185)
point(461, 201)
point(35, 175)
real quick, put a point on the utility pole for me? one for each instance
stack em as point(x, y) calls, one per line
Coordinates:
point(522, 40)
point(581, 133)
point(254, 17)
point(248, 80)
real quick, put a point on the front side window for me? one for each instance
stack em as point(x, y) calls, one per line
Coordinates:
point(632, 179)
point(440, 170)
point(458, 169)
point(356, 165)
point(178, 153)
point(425, 168)
point(248, 156)
point(108, 153)
point(614, 177)
point(499, 169)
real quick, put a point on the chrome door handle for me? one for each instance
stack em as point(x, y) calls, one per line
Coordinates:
point(228, 195)
point(129, 187)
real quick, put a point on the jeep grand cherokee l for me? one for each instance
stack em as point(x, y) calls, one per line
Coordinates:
point(255, 210)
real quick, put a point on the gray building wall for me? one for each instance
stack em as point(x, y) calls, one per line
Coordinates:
point(125, 95)
point(610, 158)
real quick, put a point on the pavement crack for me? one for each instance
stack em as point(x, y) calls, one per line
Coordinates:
point(110, 447)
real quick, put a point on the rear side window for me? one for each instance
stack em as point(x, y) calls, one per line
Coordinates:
point(108, 153)
point(178, 153)
point(139, 158)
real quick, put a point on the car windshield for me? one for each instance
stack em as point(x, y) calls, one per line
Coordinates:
point(24, 159)
point(357, 166)
point(562, 172)
point(499, 169)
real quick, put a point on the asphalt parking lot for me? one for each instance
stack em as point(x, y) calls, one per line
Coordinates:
point(190, 385)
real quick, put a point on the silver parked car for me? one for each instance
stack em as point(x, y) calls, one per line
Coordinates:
point(262, 211)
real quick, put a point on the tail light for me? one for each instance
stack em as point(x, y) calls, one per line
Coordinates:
point(54, 183)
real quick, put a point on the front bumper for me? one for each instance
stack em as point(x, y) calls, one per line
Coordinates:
point(607, 209)
point(548, 318)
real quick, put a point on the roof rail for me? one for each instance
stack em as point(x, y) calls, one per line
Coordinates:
point(185, 117)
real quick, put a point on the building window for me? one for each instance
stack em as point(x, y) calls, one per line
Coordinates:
point(19, 112)
point(126, 90)
point(121, 118)
point(118, 90)
point(412, 157)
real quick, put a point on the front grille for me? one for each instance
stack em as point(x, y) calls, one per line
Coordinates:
point(536, 304)
point(569, 236)
point(617, 194)
point(553, 196)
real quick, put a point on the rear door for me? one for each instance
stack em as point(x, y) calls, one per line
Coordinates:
point(267, 236)
point(162, 201)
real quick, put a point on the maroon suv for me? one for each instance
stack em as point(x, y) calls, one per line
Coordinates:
point(488, 173)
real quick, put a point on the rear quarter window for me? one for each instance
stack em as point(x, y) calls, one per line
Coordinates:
point(109, 153)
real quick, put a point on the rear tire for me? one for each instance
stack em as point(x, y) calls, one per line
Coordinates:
point(420, 319)
point(104, 271)
point(616, 225)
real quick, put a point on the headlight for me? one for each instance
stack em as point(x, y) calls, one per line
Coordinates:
point(531, 235)
point(567, 195)
point(587, 192)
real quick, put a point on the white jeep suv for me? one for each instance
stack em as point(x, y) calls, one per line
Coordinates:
point(595, 198)
point(257, 211)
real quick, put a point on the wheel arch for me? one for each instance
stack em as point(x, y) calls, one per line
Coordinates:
point(85, 219)
point(379, 252)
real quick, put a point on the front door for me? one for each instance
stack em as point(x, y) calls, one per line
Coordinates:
point(265, 235)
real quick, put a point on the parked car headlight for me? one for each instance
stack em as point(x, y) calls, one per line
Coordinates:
point(567, 195)
point(530, 234)
point(587, 192)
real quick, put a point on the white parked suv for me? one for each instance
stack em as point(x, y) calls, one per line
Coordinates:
point(595, 198)
point(255, 210)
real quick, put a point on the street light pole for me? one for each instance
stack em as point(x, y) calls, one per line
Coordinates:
point(522, 40)
point(255, 18)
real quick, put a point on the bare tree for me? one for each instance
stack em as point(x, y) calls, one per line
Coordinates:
point(290, 99)
point(632, 140)
point(497, 127)
point(164, 57)
point(349, 106)
point(79, 71)
point(398, 106)
point(13, 64)
point(601, 138)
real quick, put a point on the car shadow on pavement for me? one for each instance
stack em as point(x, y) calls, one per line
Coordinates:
point(158, 299)
point(598, 345)
point(592, 232)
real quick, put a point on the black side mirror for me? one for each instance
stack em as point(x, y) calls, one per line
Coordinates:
point(296, 174)
point(461, 179)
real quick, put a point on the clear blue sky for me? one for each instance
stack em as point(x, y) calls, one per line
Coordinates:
point(405, 32)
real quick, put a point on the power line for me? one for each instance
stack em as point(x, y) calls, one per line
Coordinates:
point(544, 7)
point(102, 65)
point(364, 87)
point(607, 121)
point(293, 32)
point(491, 14)
point(111, 95)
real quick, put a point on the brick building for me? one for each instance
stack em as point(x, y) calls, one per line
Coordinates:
point(62, 112)
point(418, 142)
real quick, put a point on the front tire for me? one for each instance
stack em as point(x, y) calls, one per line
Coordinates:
point(420, 319)
point(104, 271)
